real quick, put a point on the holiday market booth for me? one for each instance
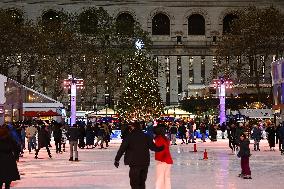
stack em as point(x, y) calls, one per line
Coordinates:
point(173, 111)
point(18, 103)
point(106, 112)
point(103, 115)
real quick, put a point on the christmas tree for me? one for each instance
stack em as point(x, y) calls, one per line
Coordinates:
point(141, 97)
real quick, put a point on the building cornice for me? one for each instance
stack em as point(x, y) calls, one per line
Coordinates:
point(165, 3)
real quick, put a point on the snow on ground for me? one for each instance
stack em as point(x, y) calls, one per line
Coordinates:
point(95, 170)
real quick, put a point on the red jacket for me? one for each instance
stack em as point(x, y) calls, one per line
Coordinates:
point(165, 155)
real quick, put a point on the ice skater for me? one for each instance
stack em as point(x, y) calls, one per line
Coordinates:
point(43, 141)
point(31, 132)
point(90, 137)
point(64, 138)
point(182, 133)
point(101, 137)
point(163, 159)
point(8, 169)
point(281, 138)
point(231, 131)
point(271, 136)
point(73, 135)
point(244, 154)
point(136, 148)
point(223, 128)
point(256, 135)
point(173, 131)
point(57, 134)
point(202, 128)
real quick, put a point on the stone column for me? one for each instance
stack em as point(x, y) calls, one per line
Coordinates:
point(173, 80)
point(185, 72)
point(162, 77)
point(208, 69)
point(197, 69)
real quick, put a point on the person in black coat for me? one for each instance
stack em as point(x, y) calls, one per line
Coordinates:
point(136, 148)
point(8, 169)
point(73, 134)
point(101, 136)
point(90, 136)
point(281, 138)
point(182, 132)
point(231, 131)
point(278, 141)
point(256, 135)
point(43, 141)
point(213, 132)
point(244, 154)
point(223, 128)
point(57, 134)
point(96, 130)
point(202, 128)
point(271, 136)
point(82, 135)
point(173, 131)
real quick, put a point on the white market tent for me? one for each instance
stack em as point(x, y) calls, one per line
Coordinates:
point(177, 112)
point(106, 112)
point(257, 113)
point(170, 111)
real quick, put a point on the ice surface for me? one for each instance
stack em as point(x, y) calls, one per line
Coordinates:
point(96, 169)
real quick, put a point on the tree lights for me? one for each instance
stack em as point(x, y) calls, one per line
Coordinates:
point(141, 97)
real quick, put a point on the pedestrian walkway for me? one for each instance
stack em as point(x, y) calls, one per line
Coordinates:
point(95, 170)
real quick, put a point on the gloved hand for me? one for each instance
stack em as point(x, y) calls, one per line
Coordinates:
point(238, 155)
point(116, 164)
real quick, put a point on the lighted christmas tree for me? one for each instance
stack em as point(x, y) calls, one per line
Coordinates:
point(141, 97)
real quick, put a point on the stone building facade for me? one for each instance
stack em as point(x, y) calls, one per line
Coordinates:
point(183, 34)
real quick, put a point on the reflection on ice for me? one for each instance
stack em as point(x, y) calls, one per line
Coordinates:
point(190, 171)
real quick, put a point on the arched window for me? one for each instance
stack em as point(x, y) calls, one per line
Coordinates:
point(161, 24)
point(227, 22)
point(51, 20)
point(16, 15)
point(88, 21)
point(125, 24)
point(196, 25)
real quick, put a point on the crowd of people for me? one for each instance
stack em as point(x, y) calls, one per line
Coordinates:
point(274, 135)
point(38, 134)
point(137, 140)
point(188, 131)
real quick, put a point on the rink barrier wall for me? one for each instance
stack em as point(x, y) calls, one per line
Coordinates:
point(116, 134)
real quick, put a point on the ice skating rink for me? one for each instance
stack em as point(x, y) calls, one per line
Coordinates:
point(95, 170)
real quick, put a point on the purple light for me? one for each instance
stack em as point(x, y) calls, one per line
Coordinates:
point(222, 97)
point(73, 84)
point(73, 104)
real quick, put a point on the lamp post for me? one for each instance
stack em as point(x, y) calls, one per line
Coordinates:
point(222, 84)
point(73, 84)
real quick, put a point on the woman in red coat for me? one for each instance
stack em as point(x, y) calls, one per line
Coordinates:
point(163, 158)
